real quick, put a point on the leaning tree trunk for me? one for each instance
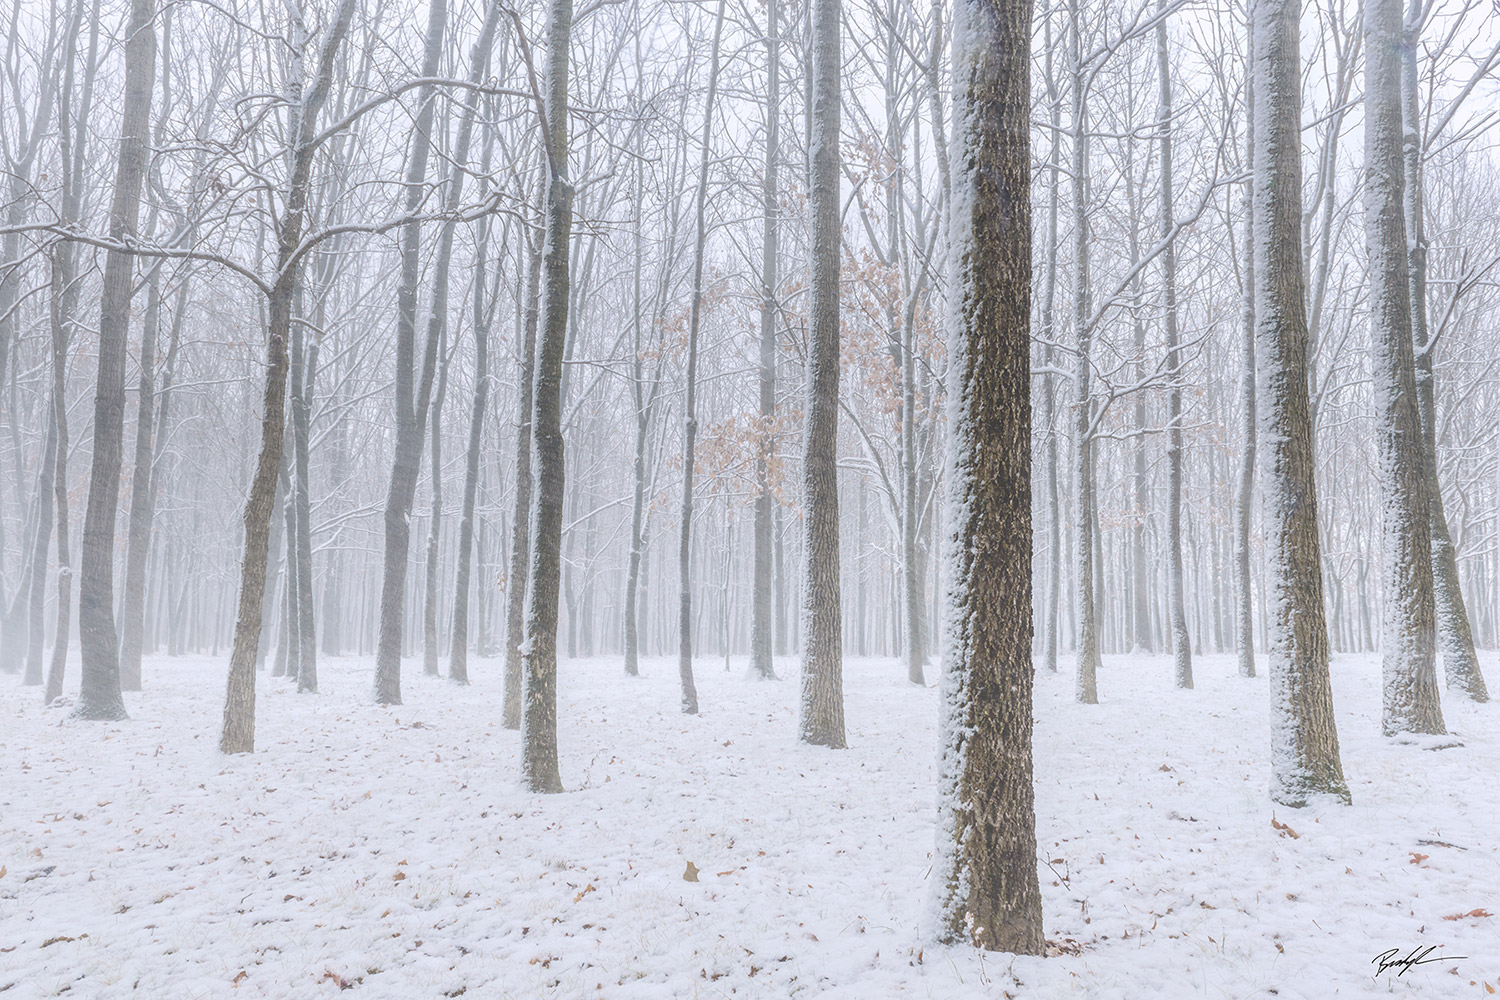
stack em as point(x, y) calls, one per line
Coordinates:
point(479, 59)
point(411, 413)
point(1244, 620)
point(690, 412)
point(99, 697)
point(761, 624)
point(539, 669)
point(989, 894)
point(520, 524)
point(1455, 637)
point(822, 708)
point(1408, 652)
point(238, 735)
point(1305, 762)
point(1182, 648)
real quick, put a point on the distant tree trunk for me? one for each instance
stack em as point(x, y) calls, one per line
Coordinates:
point(479, 59)
point(539, 690)
point(46, 483)
point(304, 361)
point(1455, 637)
point(63, 303)
point(139, 533)
point(99, 697)
point(435, 516)
point(1304, 736)
point(1182, 650)
point(520, 537)
point(1408, 652)
point(990, 896)
point(690, 413)
point(1053, 595)
point(1244, 621)
point(411, 413)
point(289, 645)
point(1083, 478)
point(822, 708)
point(238, 735)
point(761, 625)
point(643, 404)
point(268, 602)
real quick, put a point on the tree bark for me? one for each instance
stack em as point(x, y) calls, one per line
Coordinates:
point(822, 704)
point(1244, 621)
point(1408, 651)
point(1182, 650)
point(99, 696)
point(411, 413)
point(990, 896)
point(539, 689)
point(520, 530)
point(1304, 736)
point(1083, 480)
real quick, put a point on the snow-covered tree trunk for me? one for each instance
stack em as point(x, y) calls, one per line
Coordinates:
point(1305, 760)
point(986, 840)
point(1408, 652)
point(1454, 635)
point(539, 665)
point(1244, 620)
point(822, 707)
point(1182, 649)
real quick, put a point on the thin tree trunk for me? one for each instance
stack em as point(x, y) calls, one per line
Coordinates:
point(304, 364)
point(1182, 651)
point(761, 626)
point(1304, 736)
point(37, 604)
point(539, 691)
point(520, 531)
point(822, 705)
point(1083, 480)
point(238, 735)
point(411, 413)
point(690, 418)
point(1244, 622)
point(987, 846)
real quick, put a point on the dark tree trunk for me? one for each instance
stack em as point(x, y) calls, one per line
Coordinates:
point(990, 896)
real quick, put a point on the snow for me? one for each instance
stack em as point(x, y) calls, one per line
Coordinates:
point(391, 849)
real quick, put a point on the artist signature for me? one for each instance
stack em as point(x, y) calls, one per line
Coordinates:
point(1392, 959)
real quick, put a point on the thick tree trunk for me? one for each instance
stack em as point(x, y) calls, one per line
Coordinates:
point(411, 402)
point(1182, 651)
point(761, 624)
point(1454, 635)
point(99, 697)
point(1408, 651)
point(539, 689)
point(990, 896)
point(1304, 736)
point(822, 707)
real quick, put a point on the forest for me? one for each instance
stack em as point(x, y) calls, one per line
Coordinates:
point(685, 498)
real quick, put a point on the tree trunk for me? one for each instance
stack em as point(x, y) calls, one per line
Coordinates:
point(822, 707)
point(99, 697)
point(1182, 651)
point(304, 362)
point(539, 695)
point(520, 530)
point(238, 735)
point(1304, 736)
point(1454, 635)
point(690, 413)
point(479, 59)
point(1408, 652)
point(761, 625)
point(987, 847)
point(46, 483)
point(1083, 479)
point(411, 413)
point(1244, 621)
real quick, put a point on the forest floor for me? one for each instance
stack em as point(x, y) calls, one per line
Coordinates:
point(390, 852)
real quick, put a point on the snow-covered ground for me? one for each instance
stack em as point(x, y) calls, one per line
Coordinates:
point(390, 851)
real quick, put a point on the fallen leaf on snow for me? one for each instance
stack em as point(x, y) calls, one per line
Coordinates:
point(690, 874)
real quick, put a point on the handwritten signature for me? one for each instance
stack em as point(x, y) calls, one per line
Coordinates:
point(1391, 959)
